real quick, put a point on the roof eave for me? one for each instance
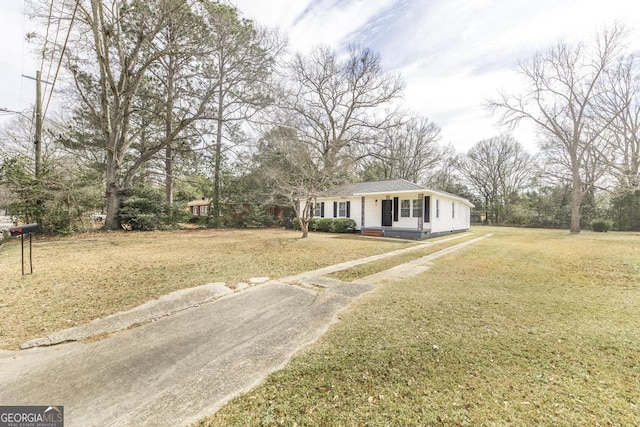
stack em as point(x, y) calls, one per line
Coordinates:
point(418, 190)
point(376, 193)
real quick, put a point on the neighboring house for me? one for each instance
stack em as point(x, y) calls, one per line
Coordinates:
point(277, 213)
point(199, 207)
point(396, 208)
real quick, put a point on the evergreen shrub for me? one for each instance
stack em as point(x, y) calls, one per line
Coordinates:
point(601, 225)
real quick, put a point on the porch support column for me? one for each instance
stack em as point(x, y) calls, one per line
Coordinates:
point(362, 214)
point(421, 217)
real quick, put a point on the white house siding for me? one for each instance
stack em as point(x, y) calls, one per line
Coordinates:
point(372, 212)
point(355, 211)
point(411, 221)
point(370, 203)
point(445, 222)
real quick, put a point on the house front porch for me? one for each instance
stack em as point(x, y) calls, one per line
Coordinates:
point(406, 233)
point(397, 232)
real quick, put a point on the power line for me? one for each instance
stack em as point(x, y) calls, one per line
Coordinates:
point(53, 50)
point(64, 47)
point(46, 35)
point(55, 41)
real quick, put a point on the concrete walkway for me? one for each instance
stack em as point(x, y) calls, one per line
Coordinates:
point(181, 367)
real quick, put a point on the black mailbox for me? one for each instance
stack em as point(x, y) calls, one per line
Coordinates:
point(24, 229)
point(21, 230)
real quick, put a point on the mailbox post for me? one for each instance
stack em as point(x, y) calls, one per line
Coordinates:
point(21, 230)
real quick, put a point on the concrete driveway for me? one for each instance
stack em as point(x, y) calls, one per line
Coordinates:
point(175, 370)
point(179, 368)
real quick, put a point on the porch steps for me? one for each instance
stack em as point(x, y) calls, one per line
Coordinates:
point(372, 233)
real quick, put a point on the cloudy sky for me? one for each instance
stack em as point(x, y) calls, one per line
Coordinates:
point(453, 54)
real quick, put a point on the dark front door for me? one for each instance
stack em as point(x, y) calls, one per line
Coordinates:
point(387, 217)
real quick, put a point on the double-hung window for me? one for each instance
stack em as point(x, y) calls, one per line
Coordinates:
point(342, 209)
point(405, 208)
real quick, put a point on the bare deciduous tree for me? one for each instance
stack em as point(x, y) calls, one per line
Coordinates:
point(409, 150)
point(562, 98)
point(330, 108)
point(336, 103)
point(287, 168)
point(498, 169)
point(621, 110)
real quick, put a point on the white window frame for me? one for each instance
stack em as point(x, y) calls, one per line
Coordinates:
point(437, 208)
point(342, 209)
point(317, 210)
point(405, 208)
point(453, 209)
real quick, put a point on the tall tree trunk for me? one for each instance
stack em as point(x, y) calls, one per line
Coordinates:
point(112, 194)
point(218, 151)
point(304, 217)
point(168, 170)
point(217, 174)
point(576, 202)
point(168, 125)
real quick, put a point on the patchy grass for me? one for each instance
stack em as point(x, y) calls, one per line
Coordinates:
point(529, 327)
point(363, 270)
point(78, 279)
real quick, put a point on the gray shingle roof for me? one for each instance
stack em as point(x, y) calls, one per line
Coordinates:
point(389, 186)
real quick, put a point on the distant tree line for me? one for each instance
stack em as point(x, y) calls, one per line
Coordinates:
point(168, 101)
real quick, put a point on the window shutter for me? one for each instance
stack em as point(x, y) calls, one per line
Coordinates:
point(427, 208)
point(321, 209)
point(335, 209)
point(348, 209)
point(396, 208)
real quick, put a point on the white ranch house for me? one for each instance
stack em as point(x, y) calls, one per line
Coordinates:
point(396, 208)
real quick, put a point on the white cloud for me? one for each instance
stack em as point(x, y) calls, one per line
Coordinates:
point(453, 53)
point(332, 26)
point(311, 23)
point(281, 14)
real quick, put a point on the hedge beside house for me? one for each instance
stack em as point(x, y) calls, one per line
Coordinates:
point(342, 225)
point(328, 225)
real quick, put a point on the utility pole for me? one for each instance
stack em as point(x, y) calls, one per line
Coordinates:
point(39, 119)
point(38, 136)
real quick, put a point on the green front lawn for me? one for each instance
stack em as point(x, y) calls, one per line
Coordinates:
point(528, 327)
